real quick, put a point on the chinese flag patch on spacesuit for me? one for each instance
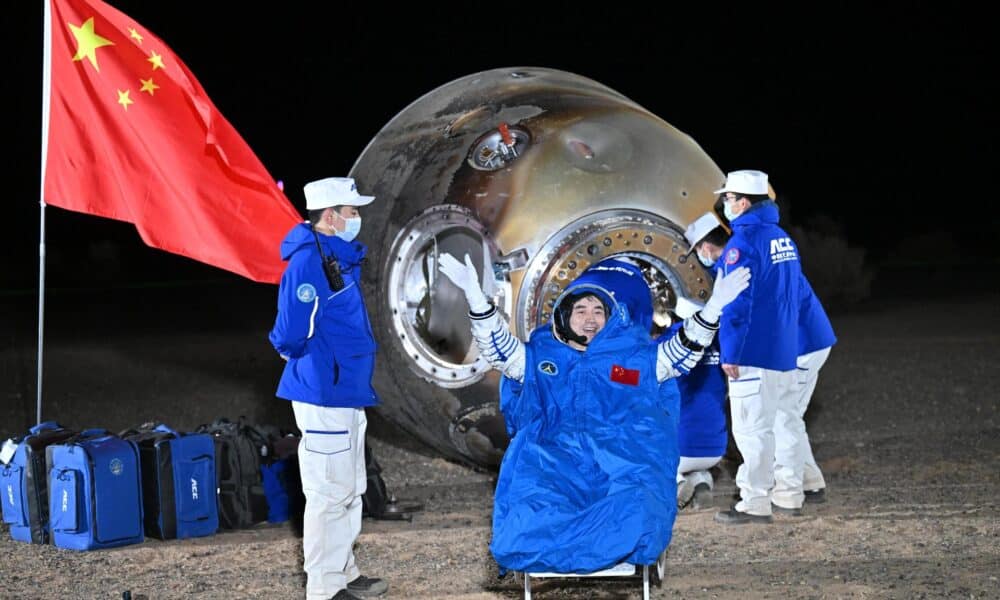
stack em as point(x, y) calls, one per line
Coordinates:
point(620, 374)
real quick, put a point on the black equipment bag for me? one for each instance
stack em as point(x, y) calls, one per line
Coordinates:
point(377, 502)
point(239, 450)
point(376, 496)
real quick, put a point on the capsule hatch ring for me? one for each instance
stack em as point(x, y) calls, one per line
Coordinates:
point(657, 245)
point(429, 313)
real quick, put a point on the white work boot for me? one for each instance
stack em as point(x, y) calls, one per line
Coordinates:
point(695, 490)
point(703, 498)
point(685, 492)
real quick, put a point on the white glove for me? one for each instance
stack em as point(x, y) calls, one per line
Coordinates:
point(726, 289)
point(467, 279)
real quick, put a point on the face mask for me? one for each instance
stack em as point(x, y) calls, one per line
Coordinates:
point(728, 210)
point(708, 262)
point(351, 228)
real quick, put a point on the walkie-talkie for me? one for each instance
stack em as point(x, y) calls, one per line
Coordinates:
point(331, 268)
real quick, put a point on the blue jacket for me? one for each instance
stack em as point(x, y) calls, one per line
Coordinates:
point(815, 330)
point(326, 335)
point(760, 327)
point(588, 480)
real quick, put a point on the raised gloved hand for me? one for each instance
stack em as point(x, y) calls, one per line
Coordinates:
point(466, 278)
point(726, 289)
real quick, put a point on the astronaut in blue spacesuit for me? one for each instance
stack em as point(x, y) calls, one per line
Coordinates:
point(588, 480)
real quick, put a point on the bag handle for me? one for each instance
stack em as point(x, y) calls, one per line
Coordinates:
point(87, 434)
point(163, 428)
point(45, 426)
point(259, 438)
point(94, 432)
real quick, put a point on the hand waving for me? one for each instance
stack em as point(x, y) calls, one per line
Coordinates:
point(466, 278)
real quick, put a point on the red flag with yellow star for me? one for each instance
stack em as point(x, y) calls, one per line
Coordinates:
point(131, 135)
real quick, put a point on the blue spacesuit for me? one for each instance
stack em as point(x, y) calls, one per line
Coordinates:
point(588, 479)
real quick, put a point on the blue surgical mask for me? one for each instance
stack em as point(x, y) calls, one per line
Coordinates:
point(728, 210)
point(351, 228)
point(708, 262)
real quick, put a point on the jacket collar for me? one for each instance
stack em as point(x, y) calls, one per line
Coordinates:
point(765, 212)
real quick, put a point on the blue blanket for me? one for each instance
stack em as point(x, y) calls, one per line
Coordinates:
point(588, 480)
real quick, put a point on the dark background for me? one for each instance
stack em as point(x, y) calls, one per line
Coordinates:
point(883, 119)
point(877, 124)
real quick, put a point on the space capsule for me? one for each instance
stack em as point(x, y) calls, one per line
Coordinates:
point(535, 174)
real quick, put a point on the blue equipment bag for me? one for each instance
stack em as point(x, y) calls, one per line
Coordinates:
point(178, 482)
point(275, 477)
point(24, 484)
point(95, 491)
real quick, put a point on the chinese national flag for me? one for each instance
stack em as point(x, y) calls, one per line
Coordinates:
point(622, 375)
point(133, 136)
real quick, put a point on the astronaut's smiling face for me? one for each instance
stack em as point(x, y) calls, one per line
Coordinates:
point(588, 317)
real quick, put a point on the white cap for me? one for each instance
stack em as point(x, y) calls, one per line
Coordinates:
point(334, 191)
point(745, 182)
point(685, 309)
point(697, 230)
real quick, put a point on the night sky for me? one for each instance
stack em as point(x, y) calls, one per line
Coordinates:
point(883, 120)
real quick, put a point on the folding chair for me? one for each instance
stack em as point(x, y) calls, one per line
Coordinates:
point(619, 570)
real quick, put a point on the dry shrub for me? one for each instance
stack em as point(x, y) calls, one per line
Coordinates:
point(838, 272)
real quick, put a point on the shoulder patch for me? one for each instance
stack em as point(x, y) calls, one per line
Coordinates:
point(305, 292)
point(732, 256)
point(548, 367)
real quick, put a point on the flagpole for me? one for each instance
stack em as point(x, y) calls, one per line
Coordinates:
point(46, 88)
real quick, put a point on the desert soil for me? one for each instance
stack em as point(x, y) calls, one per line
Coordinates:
point(904, 423)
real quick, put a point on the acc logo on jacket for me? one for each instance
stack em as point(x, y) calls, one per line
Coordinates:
point(782, 250)
point(305, 292)
point(116, 466)
point(548, 367)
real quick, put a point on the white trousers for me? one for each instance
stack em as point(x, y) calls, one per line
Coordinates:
point(332, 465)
point(694, 470)
point(795, 468)
point(754, 400)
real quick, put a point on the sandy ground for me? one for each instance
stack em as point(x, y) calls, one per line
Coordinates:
point(904, 424)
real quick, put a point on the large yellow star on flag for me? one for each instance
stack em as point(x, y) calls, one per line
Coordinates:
point(87, 42)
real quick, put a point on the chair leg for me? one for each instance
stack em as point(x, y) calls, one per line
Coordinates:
point(527, 586)
point(645, 582)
